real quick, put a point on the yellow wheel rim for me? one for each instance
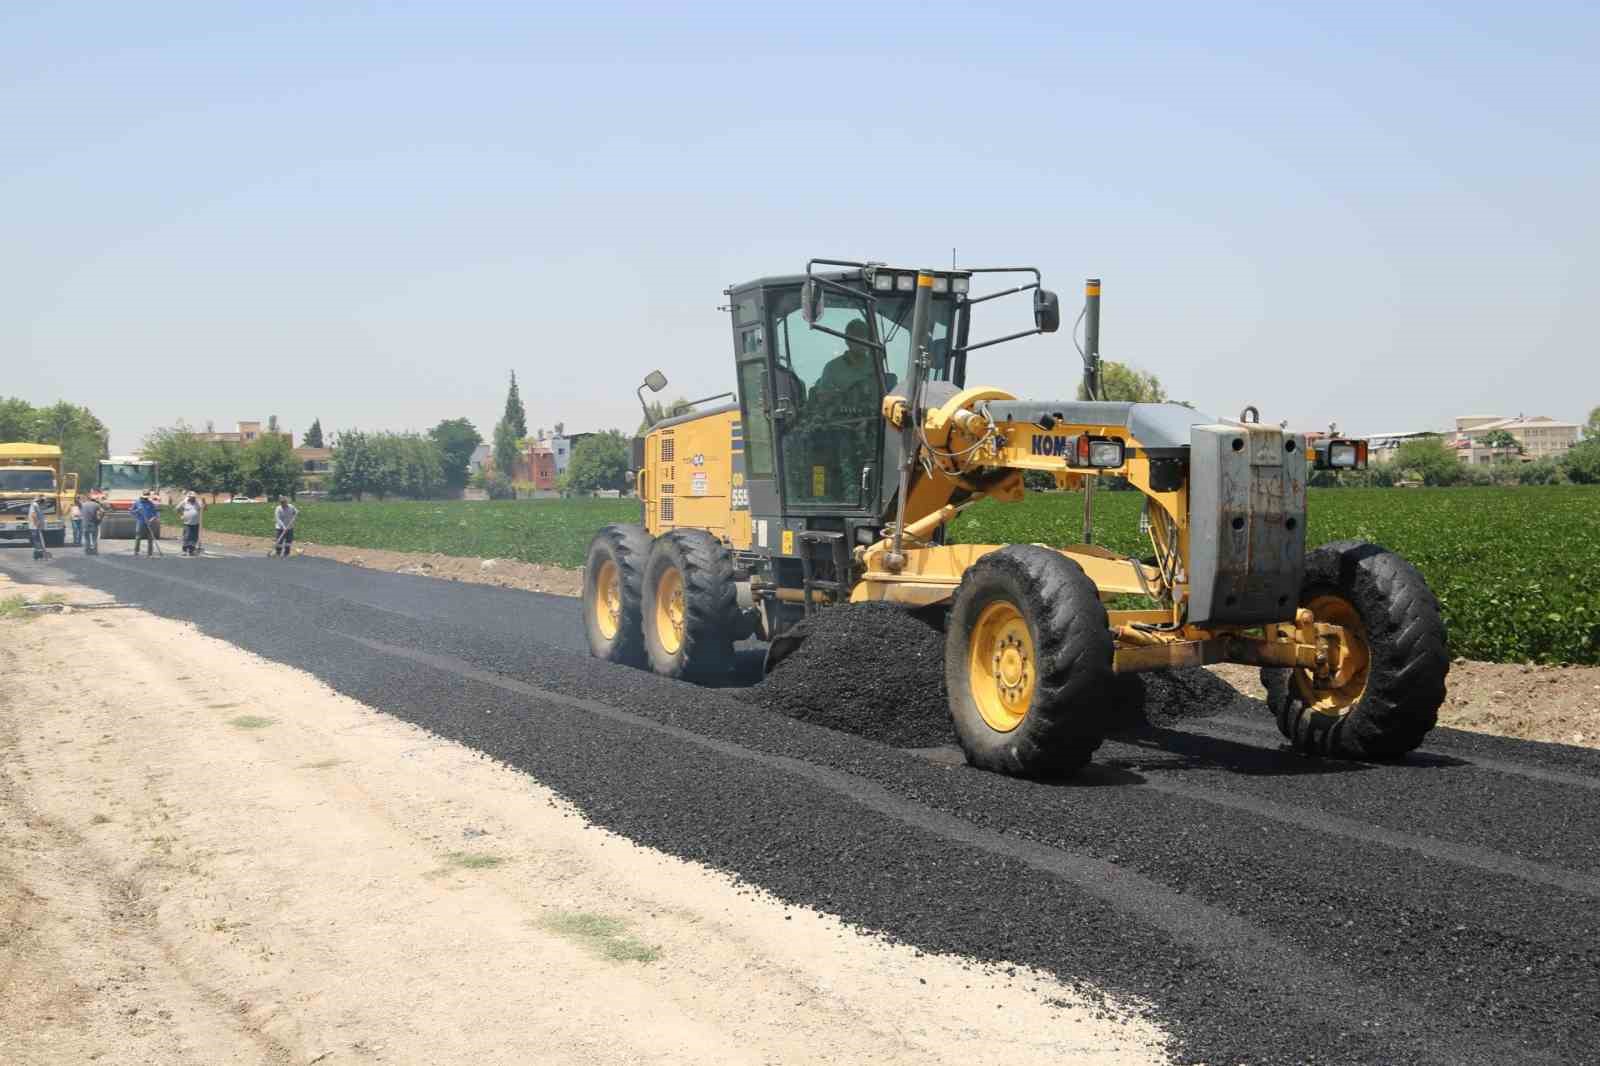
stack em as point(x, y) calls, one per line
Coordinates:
point(1001, 669)
point(608, 599)
point(1337, 694)
point(669, 610)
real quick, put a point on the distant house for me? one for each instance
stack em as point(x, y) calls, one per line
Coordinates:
point(316, 464)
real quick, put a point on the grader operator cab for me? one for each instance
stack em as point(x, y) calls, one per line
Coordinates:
point(855, 439)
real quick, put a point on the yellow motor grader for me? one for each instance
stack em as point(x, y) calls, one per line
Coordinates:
point(853, 440)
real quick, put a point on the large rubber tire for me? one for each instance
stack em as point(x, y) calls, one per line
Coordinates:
point(700, 646)
point(1070, 707)
point(1408, 651)
point(618, 554)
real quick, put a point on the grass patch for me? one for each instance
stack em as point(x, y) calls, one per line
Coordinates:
point(606, 937)
point(15, 608)
point(473, 860)
point(250, 721)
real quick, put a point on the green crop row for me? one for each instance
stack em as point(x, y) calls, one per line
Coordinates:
point(1516, 569)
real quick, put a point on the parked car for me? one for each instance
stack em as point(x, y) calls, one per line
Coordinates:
point(242, 499)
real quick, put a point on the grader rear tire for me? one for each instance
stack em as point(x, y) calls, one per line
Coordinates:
point(1028, 663)
point(1386, 707)
point(613, 593)
point(691, 609)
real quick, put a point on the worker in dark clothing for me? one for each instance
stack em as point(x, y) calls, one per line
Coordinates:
point(93, 511)
point(145, 517)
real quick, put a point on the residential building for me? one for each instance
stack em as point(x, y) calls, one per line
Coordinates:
point(247, 433)
point(316, 466)
point(1537, 437)
point(480, 458)
point(561, 445)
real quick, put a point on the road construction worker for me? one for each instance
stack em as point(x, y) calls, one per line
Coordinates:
point(190, 512)
point(145, 517)
point(36, 526)
point(283, 519)
point(92, 513)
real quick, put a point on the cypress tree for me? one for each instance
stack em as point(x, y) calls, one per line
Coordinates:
point(515, 417)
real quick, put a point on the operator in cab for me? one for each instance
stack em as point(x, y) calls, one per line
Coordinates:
point(850, 380)
point(843, 416)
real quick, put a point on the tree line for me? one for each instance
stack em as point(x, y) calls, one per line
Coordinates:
point(267, 466)
point(379, 464)
point(82, 437)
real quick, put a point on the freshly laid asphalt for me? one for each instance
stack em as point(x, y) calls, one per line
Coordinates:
point(1267, 908)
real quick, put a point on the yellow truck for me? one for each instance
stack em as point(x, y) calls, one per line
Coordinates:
point(28, 471)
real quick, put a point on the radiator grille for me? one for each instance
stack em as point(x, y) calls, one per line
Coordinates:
point(666, 449)
point(666, 509)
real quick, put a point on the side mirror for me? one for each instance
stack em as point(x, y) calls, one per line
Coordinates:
point(655, 381)
point(810, 301)
point(1046, 311)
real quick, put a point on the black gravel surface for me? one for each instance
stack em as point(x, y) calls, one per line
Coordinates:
point(866, 668)
point(1269, 908)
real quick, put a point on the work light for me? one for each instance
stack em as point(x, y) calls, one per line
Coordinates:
point(1342, 455)
point(1101, 453)
point(905, 282)
point(941, 284)
point(960, 284)
point(882, 282)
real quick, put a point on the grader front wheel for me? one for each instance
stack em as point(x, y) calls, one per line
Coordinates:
point(1028, 663)
point(1383, 695)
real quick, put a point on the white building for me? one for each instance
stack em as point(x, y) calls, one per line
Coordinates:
point(1538, 437)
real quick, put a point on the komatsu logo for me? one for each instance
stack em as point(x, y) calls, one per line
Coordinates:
point(1045, 444)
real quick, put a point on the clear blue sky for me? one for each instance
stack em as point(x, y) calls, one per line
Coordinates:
point(1383, 214)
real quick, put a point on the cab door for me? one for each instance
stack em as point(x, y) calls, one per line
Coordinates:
point(754, 456)
point(828, 397)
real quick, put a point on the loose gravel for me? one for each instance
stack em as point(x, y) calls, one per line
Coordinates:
point(871, 669)
point(1268, 907)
